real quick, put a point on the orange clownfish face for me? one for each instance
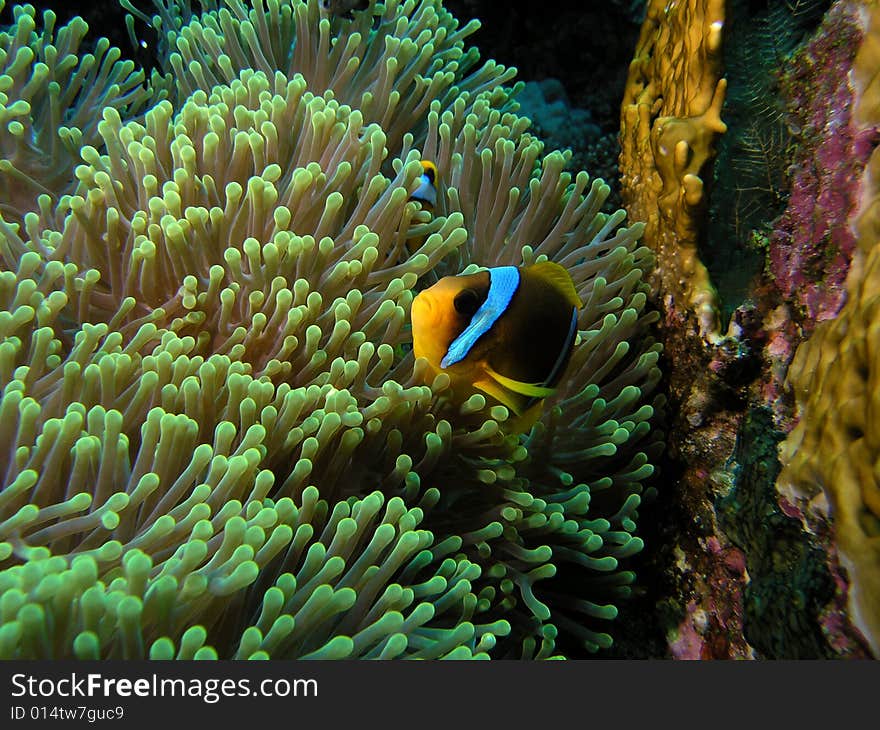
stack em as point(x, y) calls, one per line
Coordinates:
point(507, 332)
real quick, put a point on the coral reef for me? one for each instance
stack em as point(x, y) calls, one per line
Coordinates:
point(712, 625)
point(867, 113)
point(216, 441)
point(670, 119)
point(748, 566)
point(789, 584)
point(562, 126)
point(553, 118)
point(811, 245)
point(587, 47)
point(751, 171)
point(833, 450)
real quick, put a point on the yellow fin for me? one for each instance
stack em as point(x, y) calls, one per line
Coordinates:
point(513, 401)
point(524, 423)
point(528, 389)
point(560, 278)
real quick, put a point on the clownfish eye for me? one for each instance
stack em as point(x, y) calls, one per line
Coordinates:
point(325, 4)
point(467, 302)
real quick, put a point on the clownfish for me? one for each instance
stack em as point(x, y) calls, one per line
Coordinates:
point(344, 8)
point(426, 192)
point(426, 195)
point(508, 331)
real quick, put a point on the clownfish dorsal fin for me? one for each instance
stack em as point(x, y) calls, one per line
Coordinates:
point(559, 278)
point(531, 390)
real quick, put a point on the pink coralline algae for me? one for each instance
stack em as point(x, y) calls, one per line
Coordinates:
point(688, 643)
point(712, 627)
point(781, 336)
point(812, 243)
point(835, 620)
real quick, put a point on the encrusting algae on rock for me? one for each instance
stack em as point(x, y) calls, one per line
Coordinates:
point(835, 446)
point(216, 442)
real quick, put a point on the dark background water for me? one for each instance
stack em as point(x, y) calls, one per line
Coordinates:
point(584, 48)
point(586, 45)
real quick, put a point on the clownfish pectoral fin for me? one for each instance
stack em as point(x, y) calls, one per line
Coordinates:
point(531, 390)
point(524, 423)
point(524, 410)
point(560, 278)
point(513, 401)
point(514, 394)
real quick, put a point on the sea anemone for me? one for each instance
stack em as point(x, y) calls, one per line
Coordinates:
point(215, 439)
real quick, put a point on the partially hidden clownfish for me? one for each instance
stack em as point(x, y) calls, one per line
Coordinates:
point(508, 331)
point(426, 192)
point(426, 195)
